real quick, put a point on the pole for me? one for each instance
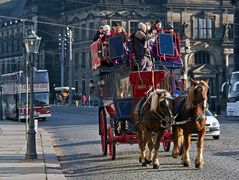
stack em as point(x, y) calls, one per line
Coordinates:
point(31, 142)
point(19, 96)
point(27, 90)
point(62, 58)
point(236, 36)
point(1, 113)
point(70, 68)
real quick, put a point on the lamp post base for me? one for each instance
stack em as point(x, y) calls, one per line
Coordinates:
point(31, 145)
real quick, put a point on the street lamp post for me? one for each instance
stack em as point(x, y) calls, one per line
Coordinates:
point(32, 43)
point(1, 112)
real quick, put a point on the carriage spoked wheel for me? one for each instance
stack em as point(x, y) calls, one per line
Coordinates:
point(103, 131)
point(111, 142)
point(166, 141)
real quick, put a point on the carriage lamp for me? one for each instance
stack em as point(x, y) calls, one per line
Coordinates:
point(101, 82)
point(92, 86)
point(32, 44)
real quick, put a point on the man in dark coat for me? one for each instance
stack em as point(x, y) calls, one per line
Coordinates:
point(99, 34)
point(140, 46)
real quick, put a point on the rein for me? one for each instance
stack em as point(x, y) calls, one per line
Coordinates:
point(190, 119)
point(160, 118)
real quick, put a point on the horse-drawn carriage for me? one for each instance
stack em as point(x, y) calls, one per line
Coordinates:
point(121, 86)
point(131, 97)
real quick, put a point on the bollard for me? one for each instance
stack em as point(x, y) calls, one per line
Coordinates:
point(35, 125)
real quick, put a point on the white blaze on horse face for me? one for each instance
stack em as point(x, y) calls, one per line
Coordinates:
point(154, 102)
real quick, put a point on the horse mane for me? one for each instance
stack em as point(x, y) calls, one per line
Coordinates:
point(189, 99)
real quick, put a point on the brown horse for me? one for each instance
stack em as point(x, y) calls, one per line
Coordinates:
point(191, 118)
point(154, 117)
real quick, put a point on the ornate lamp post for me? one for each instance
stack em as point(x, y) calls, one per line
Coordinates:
point(32, 44)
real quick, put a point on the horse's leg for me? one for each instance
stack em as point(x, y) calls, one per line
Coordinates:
point(142, 143)
point(156, 148)
point(186, 148)
point(177, 140)
point(200, 145)
point(149, 156)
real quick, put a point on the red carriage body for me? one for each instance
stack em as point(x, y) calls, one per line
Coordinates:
point(120, 86)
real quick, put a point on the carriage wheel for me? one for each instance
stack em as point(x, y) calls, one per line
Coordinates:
point(112, 147)
point(103, 131)
point(166, 141)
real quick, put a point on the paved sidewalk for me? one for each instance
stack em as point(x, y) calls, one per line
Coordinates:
point(14, 166)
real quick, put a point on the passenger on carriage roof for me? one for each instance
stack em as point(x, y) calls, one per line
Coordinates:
point(156, 27)
point(114, 27)
point(107, 33)
point(99, 34)
point(141, 51)
point(106, 29)
point(120, 31)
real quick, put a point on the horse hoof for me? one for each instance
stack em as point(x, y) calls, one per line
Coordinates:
point(144, 164)
point(147, 161)
point(186, 164)
point(140, 161)
point(155, 166)
point(198, 166)
point(175, 156)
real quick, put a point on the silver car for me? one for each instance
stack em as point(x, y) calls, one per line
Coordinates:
point(213, 126)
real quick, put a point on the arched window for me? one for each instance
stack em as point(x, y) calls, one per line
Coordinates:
point(202, 57)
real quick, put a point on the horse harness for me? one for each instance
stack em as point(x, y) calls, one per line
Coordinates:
point(199, 117)
point(153, 116)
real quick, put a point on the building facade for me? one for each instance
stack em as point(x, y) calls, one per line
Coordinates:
point(206, 28)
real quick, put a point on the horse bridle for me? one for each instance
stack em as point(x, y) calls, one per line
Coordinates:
point(203, 85)
point(163, 122)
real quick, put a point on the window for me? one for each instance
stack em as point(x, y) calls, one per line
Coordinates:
point(83, 86)
point(91, 30)
point(133, 26)
point(202, 57)
point(83, 32)
point(76, 86)
point(115, 23)
point(203, 28)
point(230, 31)
point(76, 34)
point(178, 27)
point(76, 61)
point(83, 60)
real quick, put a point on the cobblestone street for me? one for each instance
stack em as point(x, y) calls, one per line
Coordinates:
point(78, 147)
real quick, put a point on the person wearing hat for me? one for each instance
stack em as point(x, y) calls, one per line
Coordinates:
point(99, 34)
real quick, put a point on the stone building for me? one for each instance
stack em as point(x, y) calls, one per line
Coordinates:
point(206, 27)
point(209, 27)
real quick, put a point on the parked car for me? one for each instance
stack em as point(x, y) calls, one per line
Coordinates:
point(213, 126)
